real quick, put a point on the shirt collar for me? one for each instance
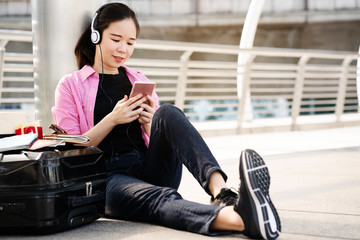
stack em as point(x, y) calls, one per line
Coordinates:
point(127, 69)
point(85, 72)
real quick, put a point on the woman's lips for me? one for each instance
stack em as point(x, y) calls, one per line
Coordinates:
point(118, 59)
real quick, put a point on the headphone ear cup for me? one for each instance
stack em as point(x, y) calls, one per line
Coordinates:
point(95, 37)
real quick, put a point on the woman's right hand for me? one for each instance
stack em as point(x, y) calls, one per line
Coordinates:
point(127, 110)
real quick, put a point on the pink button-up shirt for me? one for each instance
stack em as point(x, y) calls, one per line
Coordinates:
point(75, 98)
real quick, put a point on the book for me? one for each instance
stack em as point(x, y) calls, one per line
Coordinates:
point(69, 138)
point(17, 142)
point(41, 143)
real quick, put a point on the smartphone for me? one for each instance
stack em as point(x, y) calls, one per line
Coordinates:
point(144, 88)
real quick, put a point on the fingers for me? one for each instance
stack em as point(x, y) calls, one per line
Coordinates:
point(144, 119)
point(149, 106)
point(136, 101)
point(151, 100)
point(126, 110)
point(147, 115)
point(130, 109)
point(124, 99)
point(148, 112)
point(130, 116)
point(135, 113)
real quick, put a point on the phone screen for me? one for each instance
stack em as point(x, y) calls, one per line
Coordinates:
point(144, 88)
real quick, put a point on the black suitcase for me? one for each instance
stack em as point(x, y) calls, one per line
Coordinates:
point(52, 190)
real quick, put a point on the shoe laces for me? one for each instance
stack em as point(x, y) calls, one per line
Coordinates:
point(227, 196)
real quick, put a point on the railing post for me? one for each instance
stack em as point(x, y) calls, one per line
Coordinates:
point(182, 80)
point(340, 100)
point(245, 95)
point(298, 91)
point(246, 42)
point(358, 79)
point(2, 62)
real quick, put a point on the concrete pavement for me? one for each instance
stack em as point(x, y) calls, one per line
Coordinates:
point(315, 185)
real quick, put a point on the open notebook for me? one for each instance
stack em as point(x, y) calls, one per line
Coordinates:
point(30, 141)
point(16, 142)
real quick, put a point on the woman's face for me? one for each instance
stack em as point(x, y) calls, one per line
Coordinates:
point(117, 45)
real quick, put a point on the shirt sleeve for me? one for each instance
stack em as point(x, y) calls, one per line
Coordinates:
point(65, 111)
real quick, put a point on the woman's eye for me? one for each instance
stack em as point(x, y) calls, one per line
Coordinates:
point(115, 40)
point(130, 44)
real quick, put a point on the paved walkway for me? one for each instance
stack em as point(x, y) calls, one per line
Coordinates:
point(315, 185)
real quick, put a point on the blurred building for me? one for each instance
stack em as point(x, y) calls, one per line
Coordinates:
point(311, 24)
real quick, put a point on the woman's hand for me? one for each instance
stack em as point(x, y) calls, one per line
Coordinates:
point(146, 116)
point(127, 110)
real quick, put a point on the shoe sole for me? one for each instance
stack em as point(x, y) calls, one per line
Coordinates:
point(257, 182)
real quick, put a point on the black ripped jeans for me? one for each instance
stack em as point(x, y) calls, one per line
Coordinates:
point(142, 186)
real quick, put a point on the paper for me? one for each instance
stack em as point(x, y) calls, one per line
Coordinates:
point(17, 142)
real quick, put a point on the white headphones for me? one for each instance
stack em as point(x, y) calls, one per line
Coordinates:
point(95, 35)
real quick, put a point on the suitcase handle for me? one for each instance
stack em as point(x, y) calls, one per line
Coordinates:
point(83, 200)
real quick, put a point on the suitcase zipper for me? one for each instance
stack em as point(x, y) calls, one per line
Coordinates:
point(88, 186)
point(37, 193)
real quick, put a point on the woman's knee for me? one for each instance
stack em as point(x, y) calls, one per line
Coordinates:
point(168, 110)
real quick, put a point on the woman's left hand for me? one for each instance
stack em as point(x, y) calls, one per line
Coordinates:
point(147, 115)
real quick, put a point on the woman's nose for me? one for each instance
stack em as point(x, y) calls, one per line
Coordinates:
point(121, 47)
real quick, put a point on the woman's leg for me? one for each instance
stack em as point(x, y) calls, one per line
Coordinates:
point(216, 183)
point(130, 198)
point(173, 142)
point(227, 220)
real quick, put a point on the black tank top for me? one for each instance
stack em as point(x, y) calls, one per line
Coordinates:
point(124, 137)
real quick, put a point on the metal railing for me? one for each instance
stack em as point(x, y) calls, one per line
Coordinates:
point(16, 71)
point(283, 83)
point(201, 79)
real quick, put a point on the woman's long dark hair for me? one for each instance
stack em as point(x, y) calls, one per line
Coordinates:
point(85, 48)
